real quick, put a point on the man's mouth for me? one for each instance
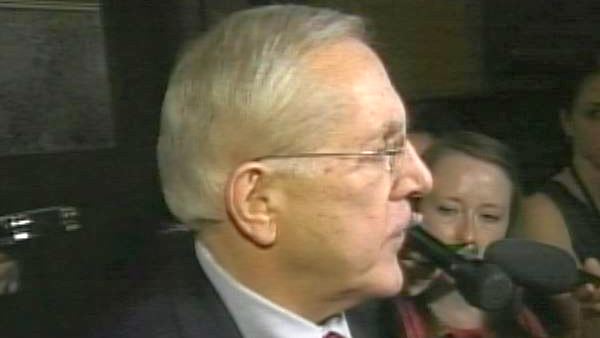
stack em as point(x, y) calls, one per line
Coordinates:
point(415, 219)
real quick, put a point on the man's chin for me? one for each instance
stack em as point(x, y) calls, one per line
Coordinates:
point(389, 283)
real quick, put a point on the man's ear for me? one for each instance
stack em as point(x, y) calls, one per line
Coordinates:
point(247, 203)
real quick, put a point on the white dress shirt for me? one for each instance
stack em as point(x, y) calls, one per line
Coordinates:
point(256, 316)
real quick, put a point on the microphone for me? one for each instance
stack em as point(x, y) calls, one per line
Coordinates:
point(484, 285)
point(541, 267)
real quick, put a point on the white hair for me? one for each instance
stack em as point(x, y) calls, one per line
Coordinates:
point(241, 91)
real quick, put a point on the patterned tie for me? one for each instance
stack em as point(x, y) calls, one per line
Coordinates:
point(332, 334)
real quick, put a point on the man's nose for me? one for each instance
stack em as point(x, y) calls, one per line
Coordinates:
point(414, 178)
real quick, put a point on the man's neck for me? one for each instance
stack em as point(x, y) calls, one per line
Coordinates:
point(256, 269)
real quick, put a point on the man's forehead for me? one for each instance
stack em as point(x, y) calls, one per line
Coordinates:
point(353, 68)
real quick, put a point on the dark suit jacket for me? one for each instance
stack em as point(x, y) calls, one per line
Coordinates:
point(182, 303)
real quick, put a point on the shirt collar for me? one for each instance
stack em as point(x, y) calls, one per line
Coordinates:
point(257, 316)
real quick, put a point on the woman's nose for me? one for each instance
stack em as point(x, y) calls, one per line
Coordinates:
point(466, 230)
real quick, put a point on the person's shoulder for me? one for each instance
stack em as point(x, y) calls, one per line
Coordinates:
point(542, 220)
point(539, 207)
point(145, 302)
point(540, 204)
point(142, 320)
point(145, 310)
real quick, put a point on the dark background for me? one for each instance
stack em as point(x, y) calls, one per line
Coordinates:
point(528, 48)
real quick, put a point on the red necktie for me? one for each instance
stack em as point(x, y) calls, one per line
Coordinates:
point(332, 334)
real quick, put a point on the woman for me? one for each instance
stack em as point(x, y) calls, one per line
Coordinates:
point(566, 211)
point(473, 203)
point(8, 275)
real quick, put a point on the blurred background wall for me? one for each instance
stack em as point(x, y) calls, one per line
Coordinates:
point(450, 52)
point(494, 66)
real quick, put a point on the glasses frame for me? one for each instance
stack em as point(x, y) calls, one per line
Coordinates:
point(390, 156)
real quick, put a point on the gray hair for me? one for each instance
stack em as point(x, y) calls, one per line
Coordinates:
point(241, 91)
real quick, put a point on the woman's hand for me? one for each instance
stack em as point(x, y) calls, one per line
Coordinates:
point(419, 272)
point(8, 275)
point(588, 294)
point(579, 310)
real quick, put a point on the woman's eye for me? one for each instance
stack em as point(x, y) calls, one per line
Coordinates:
point(491, 217)
point(447, 210)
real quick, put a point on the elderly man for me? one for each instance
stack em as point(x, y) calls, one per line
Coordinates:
point(283, 147)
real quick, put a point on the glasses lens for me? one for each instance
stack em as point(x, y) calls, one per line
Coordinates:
point(393, 159)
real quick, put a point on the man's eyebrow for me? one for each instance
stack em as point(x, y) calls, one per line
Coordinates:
point(387, 131)
point(392, 131)
point(392, 128)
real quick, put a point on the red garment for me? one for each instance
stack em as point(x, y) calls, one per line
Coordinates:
point(332, 334)
point(415, 325)
point(464, 333)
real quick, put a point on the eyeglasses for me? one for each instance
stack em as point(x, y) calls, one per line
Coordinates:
point(389, 156)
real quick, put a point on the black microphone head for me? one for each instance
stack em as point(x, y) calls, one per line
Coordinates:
point(540, 267)
point(483, 285)
point(488, 287)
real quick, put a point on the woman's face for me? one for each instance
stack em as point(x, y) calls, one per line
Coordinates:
point(469, 204)
point(583, 122)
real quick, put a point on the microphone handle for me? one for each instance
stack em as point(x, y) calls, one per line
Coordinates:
point(431, 248)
